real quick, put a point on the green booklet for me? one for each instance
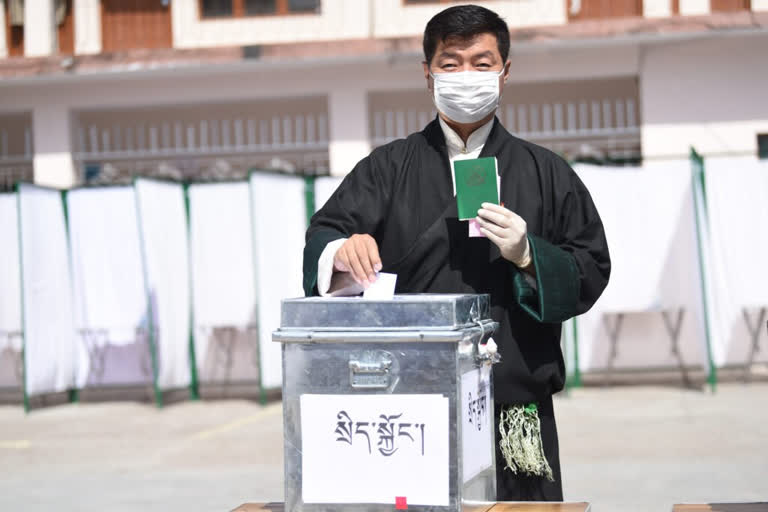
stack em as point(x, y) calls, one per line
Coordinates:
point(476, 183)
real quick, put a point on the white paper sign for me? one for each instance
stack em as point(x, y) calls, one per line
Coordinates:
point(374, 449)
point(476, 427)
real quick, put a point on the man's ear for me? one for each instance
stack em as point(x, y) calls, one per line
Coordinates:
point(425, 66)
point(507, 68)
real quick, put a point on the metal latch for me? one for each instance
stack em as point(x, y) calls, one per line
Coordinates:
point(372, 372)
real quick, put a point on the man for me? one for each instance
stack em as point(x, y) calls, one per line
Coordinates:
point(543, 259)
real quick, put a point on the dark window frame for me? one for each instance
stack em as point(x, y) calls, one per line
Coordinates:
point(412, 3)
point(238, 11)
point(762, 146)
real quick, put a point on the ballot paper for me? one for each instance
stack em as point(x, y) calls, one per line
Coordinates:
point(383, 288)
point(474, 229)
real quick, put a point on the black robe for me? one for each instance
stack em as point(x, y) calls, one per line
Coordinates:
point(402, 195)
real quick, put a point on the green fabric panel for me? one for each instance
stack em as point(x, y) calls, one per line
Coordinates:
point(557, 283)
point(312, 252)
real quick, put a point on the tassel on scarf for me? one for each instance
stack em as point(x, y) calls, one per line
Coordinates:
point(521, 444)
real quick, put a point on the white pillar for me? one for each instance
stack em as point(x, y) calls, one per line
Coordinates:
point(694, 7)
point(87, 27)
point(760, 5)
point(51, 137)
point(39, 28)
point(657, 8)
point(3, 36)
point(349, 139)
point(185, 24)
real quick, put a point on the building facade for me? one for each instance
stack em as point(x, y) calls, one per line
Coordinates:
point(98, 91)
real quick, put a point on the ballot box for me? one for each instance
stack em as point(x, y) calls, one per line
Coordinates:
point(387, 404)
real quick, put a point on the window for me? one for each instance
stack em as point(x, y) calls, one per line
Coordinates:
point(256, 7)
point(216, 8)
point(240, 8)
point(599, 9)
point(304, 5)
point(416, 2)
point(730, 5)
point(762, 146)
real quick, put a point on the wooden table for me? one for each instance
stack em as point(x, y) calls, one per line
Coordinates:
point(490, 507)
point(722, 507)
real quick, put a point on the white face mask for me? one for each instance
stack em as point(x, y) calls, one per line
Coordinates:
point(466, 96)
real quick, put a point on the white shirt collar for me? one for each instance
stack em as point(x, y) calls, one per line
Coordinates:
point(475, 141)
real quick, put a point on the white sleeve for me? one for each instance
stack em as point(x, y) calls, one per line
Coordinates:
point(325, 267)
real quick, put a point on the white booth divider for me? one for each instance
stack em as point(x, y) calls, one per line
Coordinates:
point(108, 280)
point(11, 365)
point(224, 296)
point(109, 295)
point(651, 313)
point(163, 232)
point(737, 210)
point(325, 186)
point(279, 222)
point(54, 359)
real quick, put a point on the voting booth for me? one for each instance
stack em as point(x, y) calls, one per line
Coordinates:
point(387, 403)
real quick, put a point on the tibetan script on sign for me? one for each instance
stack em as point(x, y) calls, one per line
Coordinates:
point(386, 431)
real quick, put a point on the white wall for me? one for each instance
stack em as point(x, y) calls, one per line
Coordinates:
point(392, 18)
point(657, 8)
point(760, 5)
point(694, 7)
point(574, 64)
point(211, 84)
point(338, 19)
point(709, 94)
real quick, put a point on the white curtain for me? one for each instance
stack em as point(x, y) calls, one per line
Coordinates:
point(325, 186)
point(279, 222)
point(10, 293)
point(163, 231)
point(649, 222)
point(737, 208)
point(108, 281)
point(54, 359)
point(224, 296)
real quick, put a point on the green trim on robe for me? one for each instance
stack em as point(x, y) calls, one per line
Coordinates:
point(312, 251)
point(557, 283)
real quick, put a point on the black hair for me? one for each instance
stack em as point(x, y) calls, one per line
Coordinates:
point(465, 22)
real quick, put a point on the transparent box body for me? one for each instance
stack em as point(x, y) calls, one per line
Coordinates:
point(411, 345)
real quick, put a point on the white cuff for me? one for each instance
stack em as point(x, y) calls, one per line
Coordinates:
point(325, 266)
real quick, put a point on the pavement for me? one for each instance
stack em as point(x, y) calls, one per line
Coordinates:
point(634, 449)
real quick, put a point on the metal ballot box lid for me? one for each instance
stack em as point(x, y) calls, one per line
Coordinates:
point(404, 312)
point(387, 402)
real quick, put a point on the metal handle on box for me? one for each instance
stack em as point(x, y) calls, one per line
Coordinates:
point(487, 327)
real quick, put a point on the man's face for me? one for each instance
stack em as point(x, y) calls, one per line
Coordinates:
point(481, 53)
